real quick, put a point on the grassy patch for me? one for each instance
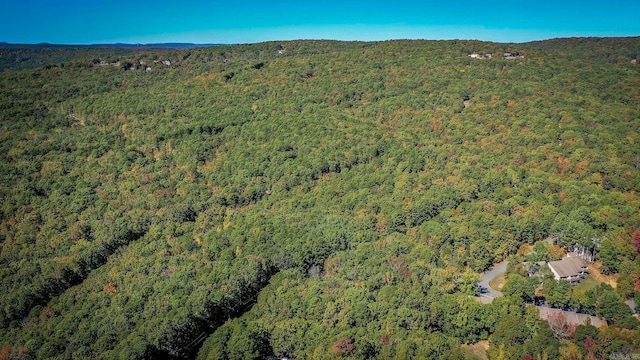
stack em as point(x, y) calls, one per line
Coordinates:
point(477, 350)
point(600, 277)
point(497, 282)
point(588, 283)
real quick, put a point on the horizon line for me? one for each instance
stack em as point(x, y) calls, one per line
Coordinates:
point(187, 43)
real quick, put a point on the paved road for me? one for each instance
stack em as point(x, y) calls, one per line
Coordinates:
point(498, 269)
point(545, 311)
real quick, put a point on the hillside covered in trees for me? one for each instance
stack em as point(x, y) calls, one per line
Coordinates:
point(29, 56)
point(315, 199)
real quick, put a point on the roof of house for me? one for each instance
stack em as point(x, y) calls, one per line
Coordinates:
point(569, 266)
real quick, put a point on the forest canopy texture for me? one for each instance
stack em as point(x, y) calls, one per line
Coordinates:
point(313, 199)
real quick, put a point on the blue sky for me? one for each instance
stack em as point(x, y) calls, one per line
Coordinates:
point(229, 21)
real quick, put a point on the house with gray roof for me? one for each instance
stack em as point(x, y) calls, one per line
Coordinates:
point(572, 268)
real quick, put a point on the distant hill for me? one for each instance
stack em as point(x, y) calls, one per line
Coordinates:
point(45, 45)
point(29, 56)
point(159, 45)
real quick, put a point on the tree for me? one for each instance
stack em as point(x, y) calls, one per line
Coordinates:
point(508, 338)
point(570, 352)
point(609, 256)
point(467, 283)
point(628, 322)
point(18, 353)
point(542, 343)
point(481, 258)
point(555, 252)
point(586, 336)
point(561, 326)
point(245, 343)
point(625, 286)
point(579, 299)
point(610, 307)
point(462, 317)
point(521, 287)
point(557, 293)
point(509, 331)
point(343, 347)
point(540, 252)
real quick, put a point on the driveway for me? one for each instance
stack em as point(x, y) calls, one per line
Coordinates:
point(545, 311)
point(487, 276)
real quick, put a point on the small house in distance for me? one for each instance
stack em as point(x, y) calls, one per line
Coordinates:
point(513, 55)
point(480, 56)
point(572, 268)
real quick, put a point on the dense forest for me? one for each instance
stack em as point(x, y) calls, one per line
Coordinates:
point(29, 56)
point(317, 199)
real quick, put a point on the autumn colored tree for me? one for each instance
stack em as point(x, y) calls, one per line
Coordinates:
point(343, 347)
point(561, 326)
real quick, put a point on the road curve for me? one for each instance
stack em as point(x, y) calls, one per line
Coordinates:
point(545, 311)
point(487, 276)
